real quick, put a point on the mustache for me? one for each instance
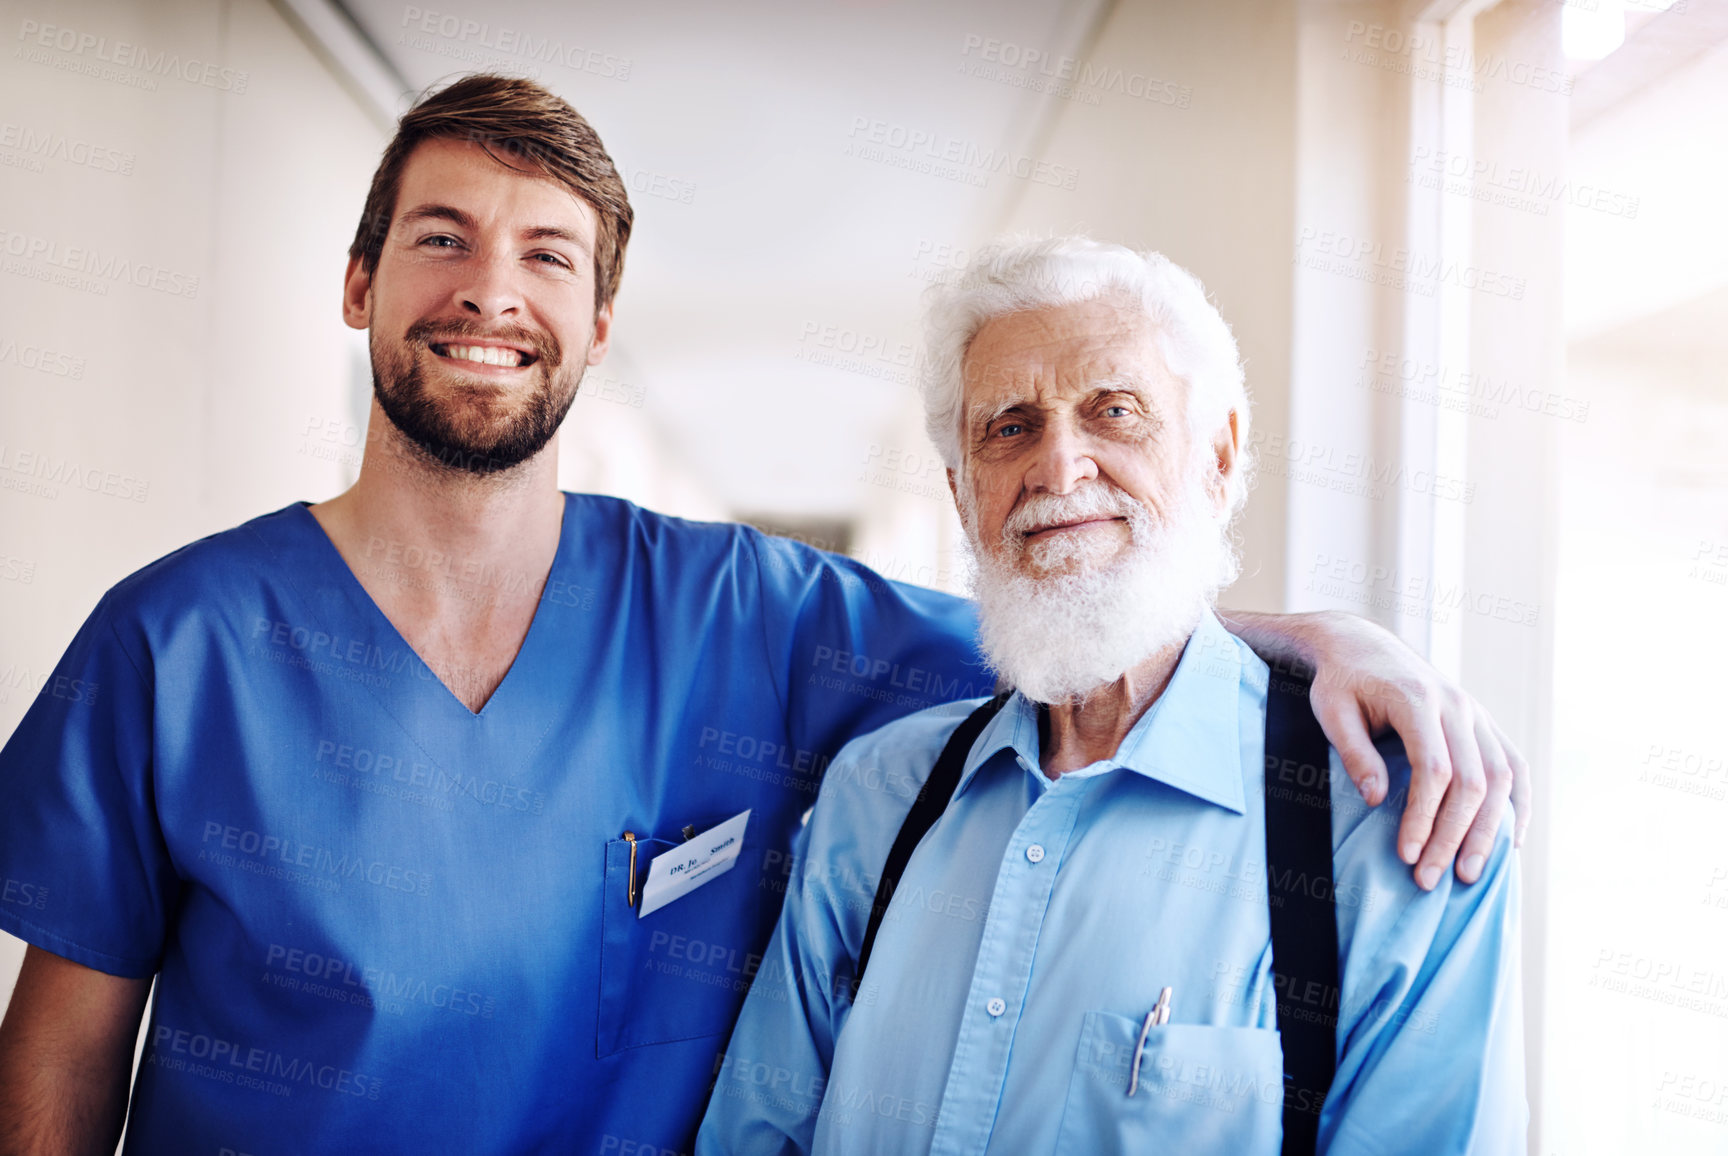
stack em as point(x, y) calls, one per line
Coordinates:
point(1041, 511)
point(544, 346)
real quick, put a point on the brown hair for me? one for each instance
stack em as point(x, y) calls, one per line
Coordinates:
point(514, 120)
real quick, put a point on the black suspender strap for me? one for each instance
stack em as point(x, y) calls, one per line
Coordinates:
point(1299, 889)
point(1299, 894)
point(932, 800)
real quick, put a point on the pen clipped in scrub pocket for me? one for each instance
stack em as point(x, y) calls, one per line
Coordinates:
point(679, 973)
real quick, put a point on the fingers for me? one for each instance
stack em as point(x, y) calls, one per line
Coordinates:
point(1479, 843)
point(1465, 789)
point(1520, 771)
point(1347, 731)
point(1417, 720)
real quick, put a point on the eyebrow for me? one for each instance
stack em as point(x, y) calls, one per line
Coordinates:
point(1110, 383)
point(465, 220)
point(1123, 382)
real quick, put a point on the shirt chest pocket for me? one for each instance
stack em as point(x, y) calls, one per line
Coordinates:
point(678, 973)
point(1201, 1089)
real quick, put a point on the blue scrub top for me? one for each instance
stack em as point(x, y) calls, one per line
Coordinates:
point(385, 923)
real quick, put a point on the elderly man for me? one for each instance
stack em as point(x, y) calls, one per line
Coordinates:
point(1087, 950)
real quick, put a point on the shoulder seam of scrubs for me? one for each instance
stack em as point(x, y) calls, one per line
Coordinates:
point(782, 698)
point(120, 644)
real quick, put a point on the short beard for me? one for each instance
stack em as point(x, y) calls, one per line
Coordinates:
point(1061, 635)
point(460, 433)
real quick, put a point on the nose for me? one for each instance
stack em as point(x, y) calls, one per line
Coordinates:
point(1062, 460)
point(489, 290)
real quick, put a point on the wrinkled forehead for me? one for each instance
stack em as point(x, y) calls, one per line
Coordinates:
point(1048, 354)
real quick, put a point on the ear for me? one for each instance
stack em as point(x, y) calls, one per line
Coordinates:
point(1226, 444)
point(602, 334)
point(954, 491)
point(357, 296)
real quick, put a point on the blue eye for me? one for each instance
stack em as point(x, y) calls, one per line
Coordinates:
point(554, 259)
point(1009, 429)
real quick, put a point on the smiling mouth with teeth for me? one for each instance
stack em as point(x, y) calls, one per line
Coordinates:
point(484, 354)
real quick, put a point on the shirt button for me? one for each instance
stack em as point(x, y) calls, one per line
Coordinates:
point(1035, 853)
point(996, 1007)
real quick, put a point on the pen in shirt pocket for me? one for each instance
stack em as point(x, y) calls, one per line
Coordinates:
point(630, 887)
point(1160, 1014)
point(689, 833)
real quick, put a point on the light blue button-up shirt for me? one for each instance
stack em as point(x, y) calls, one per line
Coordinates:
point(1038, 920)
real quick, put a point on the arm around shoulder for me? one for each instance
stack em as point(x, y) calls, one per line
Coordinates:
point(66, 1057)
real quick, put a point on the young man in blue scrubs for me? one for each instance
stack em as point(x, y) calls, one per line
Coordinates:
point(373, 787)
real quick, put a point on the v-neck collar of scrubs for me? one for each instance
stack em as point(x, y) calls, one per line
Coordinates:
point(366, 609)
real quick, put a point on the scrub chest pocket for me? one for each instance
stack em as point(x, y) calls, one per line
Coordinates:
point(679, 973)
point(1221, 1089)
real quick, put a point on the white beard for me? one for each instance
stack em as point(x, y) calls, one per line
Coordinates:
point(1079, 625)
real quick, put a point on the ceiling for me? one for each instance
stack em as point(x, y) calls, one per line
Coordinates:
point(1657, 44)
point(766, 248)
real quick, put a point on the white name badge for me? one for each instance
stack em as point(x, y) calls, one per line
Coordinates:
point(676, 873)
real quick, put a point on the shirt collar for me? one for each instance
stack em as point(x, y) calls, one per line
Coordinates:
point(1189, 739)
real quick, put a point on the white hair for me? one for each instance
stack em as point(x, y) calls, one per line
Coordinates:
point(1056, 628)
point(1021, 273)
